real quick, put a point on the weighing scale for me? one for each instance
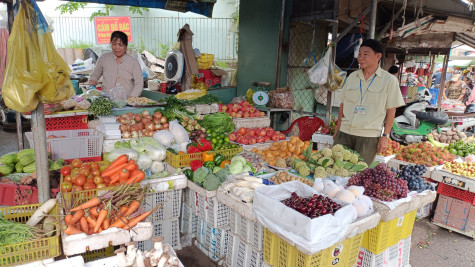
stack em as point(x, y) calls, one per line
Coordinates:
point(260, 97)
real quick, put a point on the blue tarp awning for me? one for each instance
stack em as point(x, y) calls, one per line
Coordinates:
point(202, 7)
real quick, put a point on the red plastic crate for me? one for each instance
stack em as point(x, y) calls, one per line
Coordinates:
point(14, 195)
point(451, 191)
point(89, 159)
point(75, 122)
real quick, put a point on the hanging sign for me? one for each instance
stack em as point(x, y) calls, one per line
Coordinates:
point(106, 25)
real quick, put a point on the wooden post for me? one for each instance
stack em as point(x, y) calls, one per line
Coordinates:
point(333, 56)
point(442, 82)
point(41, 155)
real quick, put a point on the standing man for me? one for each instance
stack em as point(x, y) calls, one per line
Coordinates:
point(369, 99)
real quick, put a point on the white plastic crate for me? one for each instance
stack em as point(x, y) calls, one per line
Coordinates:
point(188, 221)
point(322, 140)
point(205, 204)
point(72, 144)
point(188, 198)
point(397, 255)
point(250, 231)
point(240, 254)
point(171, 204)
point(424, 211)
point(213, 240)
point(169, 229)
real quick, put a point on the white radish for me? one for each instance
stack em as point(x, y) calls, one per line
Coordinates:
point(48, 226)
point(41, 212)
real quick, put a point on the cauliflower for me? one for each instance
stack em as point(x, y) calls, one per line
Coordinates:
point(362, 163)
point(330, 171)
point(211, 182)
point(289, 161)
point(320, 174)
point(316, 156)
point(328, 163)
point(341, 173)
point(337, 148)
point(319, 168)
point(354, 158)
point(326, 152)
point(304, 170)
point(337, 155)
point(281, 163)
point(346, 155)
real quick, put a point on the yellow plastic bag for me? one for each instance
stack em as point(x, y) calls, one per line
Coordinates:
point(24, 73)
point(191, 94)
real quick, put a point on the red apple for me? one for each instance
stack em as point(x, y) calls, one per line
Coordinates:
point(239, 115)
point(267, 138)
point(252, 109)
point(230, 106)
point(232, 136)
point(262, 132)
point(235, 109)
point(282, 136)
point(251, 132)
point(245, 141)
point(246, 115)
point(261, 139)
point(270, 132)
point(233, 114)
point(224, 108)
point(275, 137)
point(252, 140)
point(239, 139)
point(263, 114)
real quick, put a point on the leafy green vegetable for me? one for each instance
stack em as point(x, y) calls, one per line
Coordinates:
point(206, 99)
point(101, 106)
point(200, 174)
point(218, 120)
point(30, 168)
point(222, 174)
point(6, 169)
point(14, 232)
point(122, 144)
point(211, 182)
point(10, 158)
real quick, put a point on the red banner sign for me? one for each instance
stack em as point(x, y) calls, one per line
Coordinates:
point(106, 25)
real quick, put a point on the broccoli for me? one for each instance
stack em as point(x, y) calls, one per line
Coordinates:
point(346, 155)
point(337, 155)
point(211, 182)
point(354, 158)
point(341, 173)
point(326, 152)
point(304, 170)
point(337, 148)
point(281, 163)
point(199, 175)
point(320, 174)
point(222, 174)
point(328, 161)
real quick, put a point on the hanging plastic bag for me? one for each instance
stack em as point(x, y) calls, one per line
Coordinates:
point(336, 78)
point(59, 86)
point(318, 74)
point(25, 72)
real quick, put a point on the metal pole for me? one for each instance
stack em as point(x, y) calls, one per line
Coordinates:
point(372, 22)
point(41, 155)
point(279, 45)
point(333, 54)
point(386, 27)
point(442, 81)
point(10, 15)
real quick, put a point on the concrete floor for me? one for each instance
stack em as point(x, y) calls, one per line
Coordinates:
point(430, 245)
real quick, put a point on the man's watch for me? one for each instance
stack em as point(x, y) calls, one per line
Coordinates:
point(386, 135)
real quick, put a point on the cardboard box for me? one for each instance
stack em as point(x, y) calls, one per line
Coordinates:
point(458, 214)
point(470, 227)
point(211, 78)
point(442, 211)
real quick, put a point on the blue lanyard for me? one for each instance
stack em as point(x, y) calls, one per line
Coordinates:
point(361, 89)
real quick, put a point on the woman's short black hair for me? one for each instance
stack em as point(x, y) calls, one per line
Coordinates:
point(373, 44)
point(121, 36)
point(393, 69)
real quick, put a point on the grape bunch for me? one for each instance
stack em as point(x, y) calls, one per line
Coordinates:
point(412, 174)
point(314, 206)
point(381, 183)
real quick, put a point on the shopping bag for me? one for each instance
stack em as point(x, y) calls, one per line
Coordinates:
point(318, 74)
point(25, 72)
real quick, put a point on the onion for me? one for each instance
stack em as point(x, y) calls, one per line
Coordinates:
point(158, 127)
point(156, 121)
point(146, 121)
point(133, 128)
point(157, 115)
point(137, 118)
point(149, 127)
point(135, 134)
point(123, 128)
point(139, 126)
point(197, 127)
point(118, 117)
point(122, 120)
point(163, 120)
point(149, 117)
point(145, 112)
point(133, 121)
point(165, 126)
point(150, 133)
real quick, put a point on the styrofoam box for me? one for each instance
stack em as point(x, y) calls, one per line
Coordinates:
point(383, 159)
point(188, 221)
point(77, 261)
point(80, 243)
point(397, 255)
point(241, 254)
point(213, 240)
point(397, 164)
point(250, 231)
point(322, 140)
point(169, 229)
point(206, 206)
point(424, 211)
point(171, 204)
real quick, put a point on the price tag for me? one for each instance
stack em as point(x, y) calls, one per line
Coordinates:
point(453, 182)
point(170, 185)
point(400, 221)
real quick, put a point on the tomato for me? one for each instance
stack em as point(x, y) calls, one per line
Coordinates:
point(98, 180)
point(95, 166)
point(75, 172)
point(65, 170)
point(88, 186)
point(90, 179)
point(67, 178)
point(86, 165)
point(85, 171)
point(77, 188)
point(107, 180)
point(80, 180)
point(66, 186)
point(101, 185)
point(76, 163)
point(96, 172)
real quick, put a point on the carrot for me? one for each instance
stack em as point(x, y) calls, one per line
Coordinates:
point(91, 221)
point(88, 204)
point(123, 210)
point(106, 223)
point(90, 230)
point(134, 221)
point(131, 166)
point(132, 161)
point(119, 223)
point(94, 211)
point(67, 219)
point(115, 178)
point(124, 174)
point(84, 226)
point(137, 178)
point(118, 161)
point(133, 206)
point(76, 217)
point(100, 220)
point(71, 230)
point(112, 171)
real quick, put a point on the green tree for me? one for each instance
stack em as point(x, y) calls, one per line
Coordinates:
point(71, 7)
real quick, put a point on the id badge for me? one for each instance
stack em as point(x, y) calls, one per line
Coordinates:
point(361, 110)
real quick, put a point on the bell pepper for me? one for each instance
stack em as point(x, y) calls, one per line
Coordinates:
point(218, 159)
point(195, 164)
point(209, 164)
point(204, 145)
point(192, 149)
point(207, 156)
point(224, 163)
point(189, 174)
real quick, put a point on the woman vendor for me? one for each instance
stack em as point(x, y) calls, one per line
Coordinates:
point(118, 69)
point(454, 89)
